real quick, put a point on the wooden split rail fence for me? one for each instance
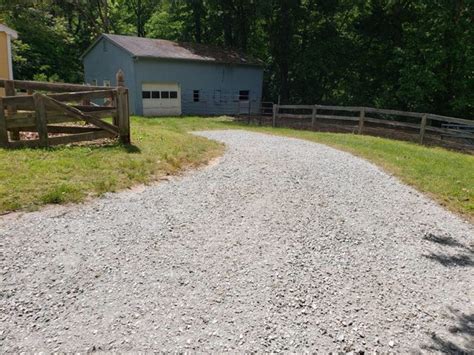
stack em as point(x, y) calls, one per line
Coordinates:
point(421, 122)
point(42, 108)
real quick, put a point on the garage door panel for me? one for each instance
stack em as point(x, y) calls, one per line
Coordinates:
point(161, 99)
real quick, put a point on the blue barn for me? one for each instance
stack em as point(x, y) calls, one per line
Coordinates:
point(169, 78)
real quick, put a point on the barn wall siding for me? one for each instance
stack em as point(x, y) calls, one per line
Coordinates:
point(100, 65)
point(218, 84)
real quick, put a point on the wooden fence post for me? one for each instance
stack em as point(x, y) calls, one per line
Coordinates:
point(313, 116)
point(10, 91)
point(123, 115)
point(361, 120)
point(3, 126)
point(120, 80)
point(40, 121)
point(249, 115)
point(275, 110)
point(86, 102)
point(423, 127)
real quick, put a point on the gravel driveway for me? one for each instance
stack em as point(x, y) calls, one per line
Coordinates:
point(281, 245)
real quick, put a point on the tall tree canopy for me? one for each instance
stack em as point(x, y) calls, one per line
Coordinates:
point(406, 54)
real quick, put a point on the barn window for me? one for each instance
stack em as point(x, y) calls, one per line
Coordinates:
point(106, 82)
point(104, 46)
point(244, 95)
point(165, 94)
point(196, 95)
point(155, 94)
point(94, 82)
point(173, 94)
point(146, 94)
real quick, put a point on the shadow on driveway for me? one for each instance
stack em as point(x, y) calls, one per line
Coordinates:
point(463, 259)
point(464, 323)
point(464, 328)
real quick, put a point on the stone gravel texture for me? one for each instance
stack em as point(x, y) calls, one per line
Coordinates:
point(282, 245)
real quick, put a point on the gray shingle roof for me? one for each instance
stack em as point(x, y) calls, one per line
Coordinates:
point(160, 48)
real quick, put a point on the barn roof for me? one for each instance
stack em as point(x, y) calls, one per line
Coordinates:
point(160, 48)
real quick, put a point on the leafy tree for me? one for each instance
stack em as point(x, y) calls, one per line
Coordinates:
point(407, 54)
point(138, 12)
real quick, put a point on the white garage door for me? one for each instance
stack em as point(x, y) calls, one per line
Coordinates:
point(161, 99)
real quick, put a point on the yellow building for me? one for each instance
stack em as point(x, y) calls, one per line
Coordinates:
point(6, 70)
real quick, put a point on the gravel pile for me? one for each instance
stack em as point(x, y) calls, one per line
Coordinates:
point(283, 245)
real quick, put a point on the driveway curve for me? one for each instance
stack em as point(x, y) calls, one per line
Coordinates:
point(282, 245)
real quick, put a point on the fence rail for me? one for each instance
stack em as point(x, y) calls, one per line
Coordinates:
point(45, 105)
point(448, 126)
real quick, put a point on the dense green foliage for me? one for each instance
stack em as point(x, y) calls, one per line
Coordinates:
point(406, 54)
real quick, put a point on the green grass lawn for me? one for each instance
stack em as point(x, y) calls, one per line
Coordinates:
point(30, 178)
point(34, 177)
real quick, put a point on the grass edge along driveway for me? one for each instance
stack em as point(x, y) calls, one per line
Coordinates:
point(444, 175)
point(33, 177)
point(30, 178)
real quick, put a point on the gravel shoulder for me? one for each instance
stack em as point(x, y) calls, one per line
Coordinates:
point(283, 245)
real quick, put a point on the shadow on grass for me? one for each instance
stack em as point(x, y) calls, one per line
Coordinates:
point(463, 328)
point(462, 259)
point(129, 148)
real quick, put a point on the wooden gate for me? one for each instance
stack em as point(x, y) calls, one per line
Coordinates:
point(43, 108)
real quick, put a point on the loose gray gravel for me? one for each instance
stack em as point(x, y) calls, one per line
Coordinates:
point(282, 245)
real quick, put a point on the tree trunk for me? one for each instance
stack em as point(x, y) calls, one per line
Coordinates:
point(284, 43)
point(198, 12)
